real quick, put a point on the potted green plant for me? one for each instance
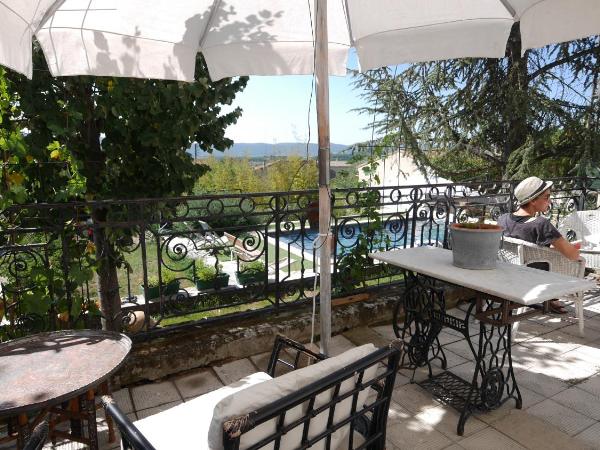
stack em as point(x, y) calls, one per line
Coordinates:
point(475, 245)
point(170, 285)
point(251, 272)
point(208, 277)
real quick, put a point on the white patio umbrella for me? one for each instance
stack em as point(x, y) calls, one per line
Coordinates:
point(160, 39)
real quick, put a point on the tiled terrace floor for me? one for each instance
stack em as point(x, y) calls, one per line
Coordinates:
point(558, 374)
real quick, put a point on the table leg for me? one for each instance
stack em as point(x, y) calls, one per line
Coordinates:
point(494, 380)
point(90, 411)
point(23, 431)
point(417, 328)
point(105, 390)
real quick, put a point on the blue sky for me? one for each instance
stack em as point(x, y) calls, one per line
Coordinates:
point(276, 110)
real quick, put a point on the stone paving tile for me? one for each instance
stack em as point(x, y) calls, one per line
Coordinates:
point(465, 371)
point(553, 343)
point(261, 361)
point(235, 370)
point(197, 383)
point(590, 334)
point(553, 321)
point(339, 344)
point(589, 352)
point(444, 419)
point(142, 414)
point(365, 335)
point(566, 419)
point(524, 357)
point(489, 439)
point(461, 348)
point(386, 331)
point(420, 373)
point(154, 394)
point(581, 401)
point(571, 367)
point(123, 399)
point(540, 383)
point(454, 447)
point(590, 436)
point(404, 431)
point(591, 385)
point(534, 433)
point(528, 397)
point(592, 320)
point(414, 398)
point(452, 359)
point(531, 328)
point(447, 338)
point(401, 380)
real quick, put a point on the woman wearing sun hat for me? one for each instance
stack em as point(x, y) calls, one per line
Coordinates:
point(533, 197)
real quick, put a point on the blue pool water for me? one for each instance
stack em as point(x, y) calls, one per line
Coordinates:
point(398, 233)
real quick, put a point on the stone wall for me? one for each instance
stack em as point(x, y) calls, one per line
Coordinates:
point(188, 347)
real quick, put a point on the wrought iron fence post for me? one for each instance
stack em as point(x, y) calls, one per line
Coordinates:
point(142, 238)
point(413, 219)
point(64, 260)
point(583, 196)
point(511, 195)
point(277, 233)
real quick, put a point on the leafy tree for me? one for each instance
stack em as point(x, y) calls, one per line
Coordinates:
point(228, 175)
point(292, 173)
point(504, 117)
point(128, 137)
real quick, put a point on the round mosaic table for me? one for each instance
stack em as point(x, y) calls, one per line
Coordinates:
point(42, 371)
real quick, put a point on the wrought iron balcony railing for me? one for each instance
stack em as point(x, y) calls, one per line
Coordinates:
point(175, 260)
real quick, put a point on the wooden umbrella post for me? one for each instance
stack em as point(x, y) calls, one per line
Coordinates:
point(322, 80)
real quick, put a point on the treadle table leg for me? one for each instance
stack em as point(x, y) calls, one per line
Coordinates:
point(421, 300)
point(493, 382)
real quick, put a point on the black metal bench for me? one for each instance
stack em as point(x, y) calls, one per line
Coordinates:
point(368, 419)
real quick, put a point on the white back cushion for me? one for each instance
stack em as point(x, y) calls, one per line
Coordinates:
point(262, 394)
point(186, 426)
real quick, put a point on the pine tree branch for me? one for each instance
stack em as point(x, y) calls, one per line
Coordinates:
point(559, 62)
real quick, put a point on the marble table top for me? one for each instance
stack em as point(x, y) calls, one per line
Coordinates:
point(519, 284)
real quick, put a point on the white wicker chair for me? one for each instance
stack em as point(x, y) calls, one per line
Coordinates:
point(517, 251)
point(584, 226)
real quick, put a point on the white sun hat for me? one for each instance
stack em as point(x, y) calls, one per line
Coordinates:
point(531, 188)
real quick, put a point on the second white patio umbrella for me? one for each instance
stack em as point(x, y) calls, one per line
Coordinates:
point(160, 39)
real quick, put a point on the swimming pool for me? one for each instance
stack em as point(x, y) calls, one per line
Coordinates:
point(399, 234)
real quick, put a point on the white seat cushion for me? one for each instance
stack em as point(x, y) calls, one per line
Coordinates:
point(186, 426)
point(262, 394)
point(198, 423)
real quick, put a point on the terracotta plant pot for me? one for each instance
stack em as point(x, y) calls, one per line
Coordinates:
point(312, 214)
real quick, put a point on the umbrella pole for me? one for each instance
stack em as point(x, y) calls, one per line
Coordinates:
point(322, 81)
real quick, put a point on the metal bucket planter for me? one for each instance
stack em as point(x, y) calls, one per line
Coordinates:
point(168, 289)
point(475, 246)
point(221, 280)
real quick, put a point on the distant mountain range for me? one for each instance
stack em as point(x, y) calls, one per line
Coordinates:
point(260, 150)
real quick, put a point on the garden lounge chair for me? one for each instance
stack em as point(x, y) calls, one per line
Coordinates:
point(339, 402)
point(521, 252)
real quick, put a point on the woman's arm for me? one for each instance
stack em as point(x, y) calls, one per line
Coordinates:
point(566, 248)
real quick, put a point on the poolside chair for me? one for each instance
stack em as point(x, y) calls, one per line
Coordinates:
point(339, 402)
point(521, 252)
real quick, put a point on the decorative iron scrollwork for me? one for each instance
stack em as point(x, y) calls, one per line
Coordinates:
point(492, 388)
